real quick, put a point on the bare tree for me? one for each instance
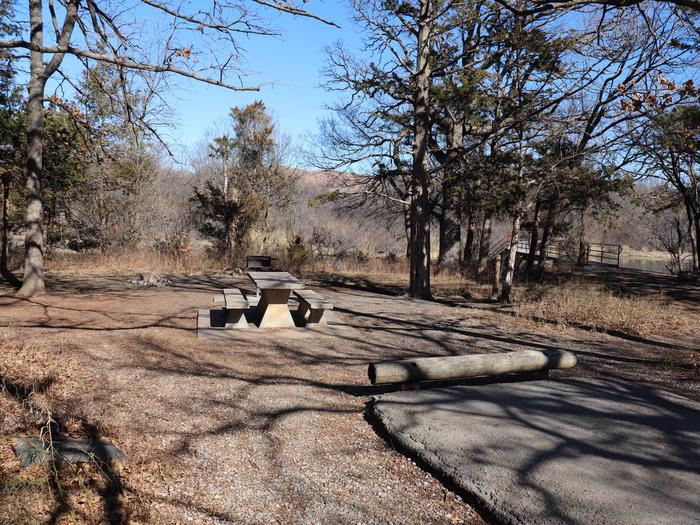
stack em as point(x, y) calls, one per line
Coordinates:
point(386, 125)
point(202, 44)
point(541, 6)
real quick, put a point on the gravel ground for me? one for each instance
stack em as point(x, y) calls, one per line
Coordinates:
point(274, 431)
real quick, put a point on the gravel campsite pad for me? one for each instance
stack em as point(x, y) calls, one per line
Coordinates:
point(269, 431)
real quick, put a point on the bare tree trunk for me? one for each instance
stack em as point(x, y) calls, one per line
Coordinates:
point(512, 256)
point(451, 217)
point(534, 234)
point(695, 253)
point(696, 222)
point(407, 230)
point(419, 282)
point(33, 282)
point(582, 252)
point(460, 224)
point(469, 242)
point(4, 270)
point(495, 286)
point(694, 249)
point(546, 231)
point(449, 227)
point(484, 244)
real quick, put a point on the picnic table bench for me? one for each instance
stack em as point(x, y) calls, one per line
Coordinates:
point(313, 304)
point(235, 304)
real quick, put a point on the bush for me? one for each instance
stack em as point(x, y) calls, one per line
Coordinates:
point(297, 253)
point(175, 245)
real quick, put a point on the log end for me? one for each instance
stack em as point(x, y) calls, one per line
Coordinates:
point(560, 359)
point(372, 373)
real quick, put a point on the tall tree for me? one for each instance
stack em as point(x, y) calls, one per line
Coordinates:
point(251, 179)
point(386, 126)
point(670, 147)
point(102, 36)
point(11, 150)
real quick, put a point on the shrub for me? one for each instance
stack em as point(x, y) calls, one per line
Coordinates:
point(297, 253)
point(175, 244)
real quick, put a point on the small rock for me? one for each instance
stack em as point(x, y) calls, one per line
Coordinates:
point(32, 451)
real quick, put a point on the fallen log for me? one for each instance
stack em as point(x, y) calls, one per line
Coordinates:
point(465, 366)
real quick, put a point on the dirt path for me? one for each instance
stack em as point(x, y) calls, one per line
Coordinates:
point(272, 431)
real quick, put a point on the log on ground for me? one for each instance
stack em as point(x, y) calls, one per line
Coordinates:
point(465, 366)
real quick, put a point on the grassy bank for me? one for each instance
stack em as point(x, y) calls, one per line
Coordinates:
point(592, 305)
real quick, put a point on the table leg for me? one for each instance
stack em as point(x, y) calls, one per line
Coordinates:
point(272, 310)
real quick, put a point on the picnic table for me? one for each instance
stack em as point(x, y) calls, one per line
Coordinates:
point(275, 288)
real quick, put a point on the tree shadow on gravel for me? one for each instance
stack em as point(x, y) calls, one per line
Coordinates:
point(233, 389)
point(364, 284)
point(96, 318)
point(286, 365)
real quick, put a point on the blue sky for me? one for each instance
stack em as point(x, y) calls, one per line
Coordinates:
point(286, 67)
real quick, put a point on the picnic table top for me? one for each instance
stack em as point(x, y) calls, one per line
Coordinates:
point(275, 281)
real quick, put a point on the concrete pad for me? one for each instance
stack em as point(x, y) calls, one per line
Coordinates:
point(211, 324)
point(574, 451)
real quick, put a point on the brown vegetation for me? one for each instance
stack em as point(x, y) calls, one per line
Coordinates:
point(45, 392)
point(136, 261)
point(592, 305)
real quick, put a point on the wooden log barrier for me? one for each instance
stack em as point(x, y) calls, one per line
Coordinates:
point(465, 366)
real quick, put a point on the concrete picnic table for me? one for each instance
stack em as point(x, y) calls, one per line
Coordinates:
point(275, 287)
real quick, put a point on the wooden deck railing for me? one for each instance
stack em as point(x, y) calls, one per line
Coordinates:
point(596, 253)
point(605, 254)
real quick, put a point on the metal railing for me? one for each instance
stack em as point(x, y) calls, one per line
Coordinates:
point(597, 253)
point(605, 254)
point(554, 249)
point(500, 247)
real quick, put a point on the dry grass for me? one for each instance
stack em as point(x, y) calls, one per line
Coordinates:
point(593, 306)
point(449, 281)
point(130, 262)
point(48, 396)
point(385, 270)
point(378, 267)
point(25, 408)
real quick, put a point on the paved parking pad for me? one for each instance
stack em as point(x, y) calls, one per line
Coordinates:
point(557, 451)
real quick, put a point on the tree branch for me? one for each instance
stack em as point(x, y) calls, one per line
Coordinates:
point(123, 62)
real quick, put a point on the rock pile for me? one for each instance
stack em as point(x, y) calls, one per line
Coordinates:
point(151, 279)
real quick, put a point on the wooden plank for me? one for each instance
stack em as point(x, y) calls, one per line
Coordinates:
point(219, 300)
point(275, 281)
point(464, 366)
point(314, 299)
